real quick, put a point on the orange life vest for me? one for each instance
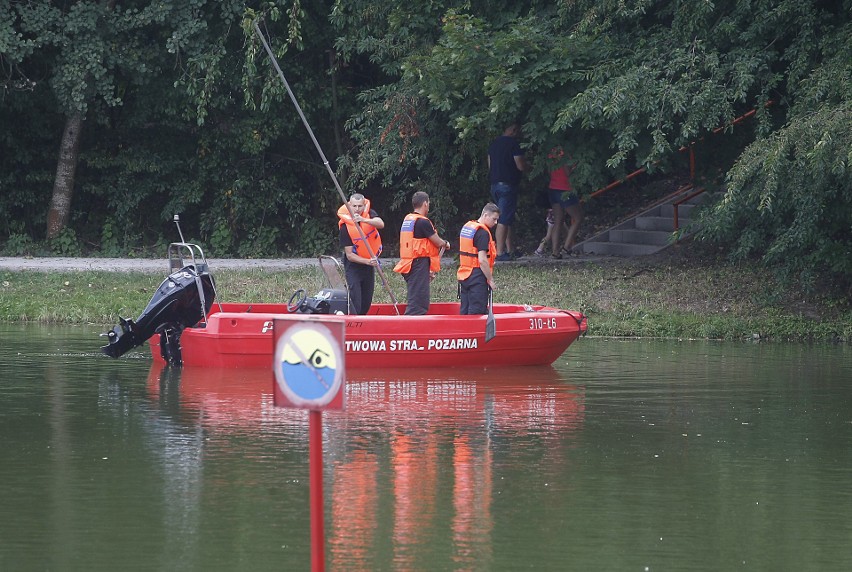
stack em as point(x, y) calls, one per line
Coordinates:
point(468, 253)
point(411, 248)
point(370, 232)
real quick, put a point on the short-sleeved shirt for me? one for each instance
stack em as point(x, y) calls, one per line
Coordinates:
point(481, 238)
point(502, 153)
point(423, 228)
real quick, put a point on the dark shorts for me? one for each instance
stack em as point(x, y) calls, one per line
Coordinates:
point(506, 198)
point(564, 198)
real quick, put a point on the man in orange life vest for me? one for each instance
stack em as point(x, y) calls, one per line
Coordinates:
point(420, 255)
point(358, 264)
point(476, 261)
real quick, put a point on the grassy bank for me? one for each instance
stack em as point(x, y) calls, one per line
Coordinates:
point(666, 296)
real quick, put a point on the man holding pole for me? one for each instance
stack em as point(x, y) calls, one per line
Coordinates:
point(420, 254)
point(358, 263)
point(477, 254)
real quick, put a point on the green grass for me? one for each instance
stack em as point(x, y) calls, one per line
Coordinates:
point(640, 297)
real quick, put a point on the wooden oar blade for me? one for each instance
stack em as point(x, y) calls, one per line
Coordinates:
point(490, 323)
point(490, 327)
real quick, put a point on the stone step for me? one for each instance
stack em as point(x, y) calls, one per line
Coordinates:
point(646, 233)
point(636, 236)
point(682, 210)
point(657, 223)
point(617, 248)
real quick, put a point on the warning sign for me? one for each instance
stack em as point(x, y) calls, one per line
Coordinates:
point(308, 363)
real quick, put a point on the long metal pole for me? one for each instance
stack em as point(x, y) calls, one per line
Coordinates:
point(327, 166)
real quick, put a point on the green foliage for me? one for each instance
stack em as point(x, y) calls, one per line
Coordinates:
point(167, 128)
point(65, 243)
point(259, 243)
point(315, 239)
point(19, 245)
point(789, 199)
point(623, 85)
point(110, 245)
point(186, 115)
point(220, 240)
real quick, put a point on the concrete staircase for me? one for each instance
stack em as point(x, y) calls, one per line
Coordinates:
point(647, 232)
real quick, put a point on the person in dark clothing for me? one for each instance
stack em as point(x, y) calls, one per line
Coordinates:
point(477, 254)
point(420, 255)
point(505, 166)
point(358, 263)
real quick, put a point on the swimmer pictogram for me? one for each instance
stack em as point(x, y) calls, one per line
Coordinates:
point(308, 364)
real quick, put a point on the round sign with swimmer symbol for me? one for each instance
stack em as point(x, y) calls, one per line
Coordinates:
point(308, 363)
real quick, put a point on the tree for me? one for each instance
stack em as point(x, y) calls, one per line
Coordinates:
point(789, 196)
point(167, 130)
point(83, 50)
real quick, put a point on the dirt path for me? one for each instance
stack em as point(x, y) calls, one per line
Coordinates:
point(160, 266)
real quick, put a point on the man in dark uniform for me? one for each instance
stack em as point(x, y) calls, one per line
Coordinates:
point(419, 254)
point(477, 254)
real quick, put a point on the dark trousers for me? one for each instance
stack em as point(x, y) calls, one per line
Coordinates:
point(473, 292)
point(361, 280)
point(417, 284)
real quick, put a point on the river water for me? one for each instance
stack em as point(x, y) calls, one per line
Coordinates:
point(625, 455)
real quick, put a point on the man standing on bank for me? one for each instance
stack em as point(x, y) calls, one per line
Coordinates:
point(505, 166)
point(359, 266)
point(420, 255)
point(476, 261)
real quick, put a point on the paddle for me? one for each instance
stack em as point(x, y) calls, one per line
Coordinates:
point(490, 324)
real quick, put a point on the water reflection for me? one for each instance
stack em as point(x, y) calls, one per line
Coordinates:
point(418, 443)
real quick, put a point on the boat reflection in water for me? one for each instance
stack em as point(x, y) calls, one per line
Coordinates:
point(412, 461)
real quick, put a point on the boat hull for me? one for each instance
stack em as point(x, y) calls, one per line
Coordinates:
point(240, 335)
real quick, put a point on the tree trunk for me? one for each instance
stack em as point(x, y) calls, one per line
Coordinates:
point(66, 167)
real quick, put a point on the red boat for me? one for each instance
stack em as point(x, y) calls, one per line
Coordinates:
point(240, 335)
point(185, 326)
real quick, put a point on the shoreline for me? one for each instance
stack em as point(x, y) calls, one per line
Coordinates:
point(679, 294)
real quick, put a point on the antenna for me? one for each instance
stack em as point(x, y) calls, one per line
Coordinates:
point(177, 224)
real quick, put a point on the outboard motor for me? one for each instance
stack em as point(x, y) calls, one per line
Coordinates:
point(181, 301)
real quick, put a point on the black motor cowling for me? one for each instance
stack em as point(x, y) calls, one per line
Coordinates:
point(326, 301)
point(177, 304)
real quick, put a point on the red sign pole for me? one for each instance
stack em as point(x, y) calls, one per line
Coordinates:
point(308, 372)
point(317, 529)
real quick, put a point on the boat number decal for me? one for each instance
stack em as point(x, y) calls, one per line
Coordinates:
point(542, 323)
point(267, 327)
point(411, 345)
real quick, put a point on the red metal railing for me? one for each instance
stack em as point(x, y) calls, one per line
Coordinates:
point(689, 148)
point(682, 200)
